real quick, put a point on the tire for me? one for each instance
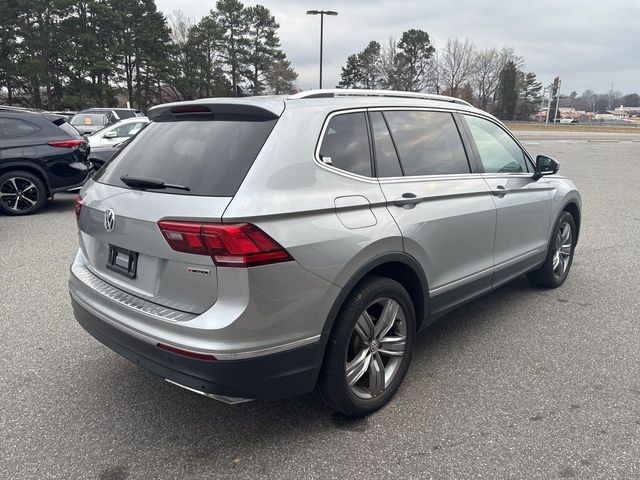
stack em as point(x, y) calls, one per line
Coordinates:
point(375, 368)
point(31, 195)
point(555, 269)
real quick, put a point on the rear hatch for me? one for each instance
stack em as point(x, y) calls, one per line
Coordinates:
point(202, 154)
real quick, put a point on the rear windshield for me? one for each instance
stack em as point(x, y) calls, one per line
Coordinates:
point(211, 157)
point(68, 129)
point(125, 113)
point(87, 119)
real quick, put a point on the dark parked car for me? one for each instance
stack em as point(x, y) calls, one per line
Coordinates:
point(40, 154)
point(100, 155)
point(93, 119)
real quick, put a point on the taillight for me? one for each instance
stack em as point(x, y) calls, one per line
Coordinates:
point(78, 206)
point(68, 143)
point(229, 245)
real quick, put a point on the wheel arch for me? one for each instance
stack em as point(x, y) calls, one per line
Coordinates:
point(27, 167)
point(572, 207)
point(396, 265)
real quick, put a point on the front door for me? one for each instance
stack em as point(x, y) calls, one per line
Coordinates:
point(523, 204)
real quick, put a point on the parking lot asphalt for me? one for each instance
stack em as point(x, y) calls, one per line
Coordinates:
point(523, 383)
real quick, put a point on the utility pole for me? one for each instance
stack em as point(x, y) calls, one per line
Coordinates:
point(550, 90)
point(555, 116)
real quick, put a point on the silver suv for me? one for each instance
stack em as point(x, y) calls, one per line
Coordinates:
point(264, 247)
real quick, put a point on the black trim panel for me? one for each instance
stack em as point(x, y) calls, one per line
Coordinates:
point(280, 375)
point(446, 301)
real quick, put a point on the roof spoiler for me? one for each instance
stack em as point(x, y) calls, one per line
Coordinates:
point(230, 106)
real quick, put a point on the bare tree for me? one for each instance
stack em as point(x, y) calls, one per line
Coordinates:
point(387, 65)
point(457, 65)
point(487, 76)
point(179, 24)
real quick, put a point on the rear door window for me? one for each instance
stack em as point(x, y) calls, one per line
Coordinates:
point(15, 128)
point(346, 144)
point(428, 143)
point(211, 157)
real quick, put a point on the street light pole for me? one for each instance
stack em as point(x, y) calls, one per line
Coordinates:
point(322, 13)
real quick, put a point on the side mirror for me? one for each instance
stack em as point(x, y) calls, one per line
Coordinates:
point(111, 134)
point(545, 166)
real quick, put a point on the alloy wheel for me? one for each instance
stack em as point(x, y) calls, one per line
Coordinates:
point(18, 194)
point(564, 247)
point(376, 348)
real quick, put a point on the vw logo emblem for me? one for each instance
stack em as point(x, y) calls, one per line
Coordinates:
point(109, 220)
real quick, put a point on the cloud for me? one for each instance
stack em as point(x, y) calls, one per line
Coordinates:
point(588, 43)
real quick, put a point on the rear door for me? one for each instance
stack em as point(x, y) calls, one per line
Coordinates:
point(119, 232)
point(442, 206)
point(523, 204)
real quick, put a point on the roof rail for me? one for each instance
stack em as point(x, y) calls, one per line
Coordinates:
point(16, 109)
point(358, 92)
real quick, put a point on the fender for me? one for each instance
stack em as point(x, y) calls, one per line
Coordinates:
point(397, 257)
point(573, 198)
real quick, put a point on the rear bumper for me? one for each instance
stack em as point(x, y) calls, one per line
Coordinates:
point(87, 174)
point(279, 375)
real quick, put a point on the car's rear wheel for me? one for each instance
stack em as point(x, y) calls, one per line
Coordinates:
point(21, 193)
point(555, 269)
point(370, 348)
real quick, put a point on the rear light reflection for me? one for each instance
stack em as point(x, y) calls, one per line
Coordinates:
point(229, 245)
point(68, 143)
point(186, 353)
point(78, 206)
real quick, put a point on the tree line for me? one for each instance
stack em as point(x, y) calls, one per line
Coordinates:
point(491, 79)
point(59, 54)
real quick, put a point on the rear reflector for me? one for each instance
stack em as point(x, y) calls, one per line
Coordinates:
point(190, 109)
point(229, 245)
point(186, 353)
point(68, 143)
point(78, 206)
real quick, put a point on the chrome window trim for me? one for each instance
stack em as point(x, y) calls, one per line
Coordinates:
point(413, 178)
point(331, 168)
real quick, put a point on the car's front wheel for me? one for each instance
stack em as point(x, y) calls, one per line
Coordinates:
point(370, 347)
point(555, 269)
point(21, 193)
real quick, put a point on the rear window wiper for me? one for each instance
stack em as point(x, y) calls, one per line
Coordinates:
point(144, 182)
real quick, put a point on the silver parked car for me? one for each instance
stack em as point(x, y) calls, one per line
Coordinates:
point(259, 248)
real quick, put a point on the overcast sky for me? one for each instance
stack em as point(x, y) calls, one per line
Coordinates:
point(588, 43)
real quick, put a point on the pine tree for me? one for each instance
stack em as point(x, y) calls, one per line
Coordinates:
point(528, 95)
point(507, 93)
point(232, 17)
point(263, 46)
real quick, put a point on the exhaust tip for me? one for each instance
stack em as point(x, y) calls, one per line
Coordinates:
point(221, 398)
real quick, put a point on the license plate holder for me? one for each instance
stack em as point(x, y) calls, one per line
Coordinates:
point(122, 261)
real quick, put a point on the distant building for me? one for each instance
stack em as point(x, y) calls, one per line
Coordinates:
point(630, 111)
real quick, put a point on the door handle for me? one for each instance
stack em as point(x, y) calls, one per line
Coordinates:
point(408, 200)
point(500, 191)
